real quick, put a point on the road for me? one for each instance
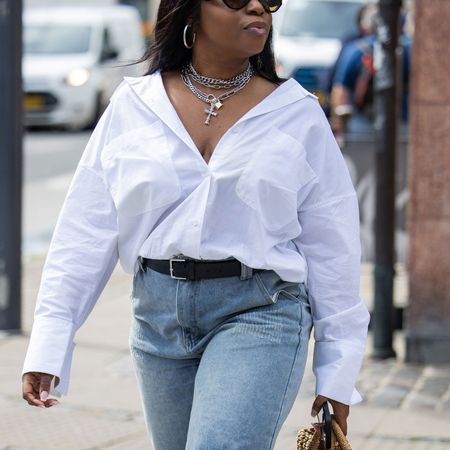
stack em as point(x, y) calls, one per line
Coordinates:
point(50, 158)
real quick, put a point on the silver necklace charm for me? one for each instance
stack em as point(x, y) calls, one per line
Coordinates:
point(215, 103)
point(210, 113)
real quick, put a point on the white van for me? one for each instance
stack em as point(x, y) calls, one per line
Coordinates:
point(74, 58)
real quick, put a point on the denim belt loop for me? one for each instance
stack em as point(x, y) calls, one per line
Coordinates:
point(246, 272)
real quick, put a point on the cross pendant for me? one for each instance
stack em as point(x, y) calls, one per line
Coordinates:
point(210, 113)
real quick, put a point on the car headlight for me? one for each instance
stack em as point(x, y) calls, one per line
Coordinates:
point(77, 77)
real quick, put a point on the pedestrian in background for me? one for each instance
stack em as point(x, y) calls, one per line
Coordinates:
point(365, 20)
point(221, 188)
point(352, 90)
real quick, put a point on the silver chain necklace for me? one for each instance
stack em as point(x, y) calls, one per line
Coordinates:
point(215, 103)
point(217, 83)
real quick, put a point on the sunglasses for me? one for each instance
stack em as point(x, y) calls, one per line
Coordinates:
point(270, 6)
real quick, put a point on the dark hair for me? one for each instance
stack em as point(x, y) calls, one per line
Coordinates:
point(167, 52)
point(359, 16)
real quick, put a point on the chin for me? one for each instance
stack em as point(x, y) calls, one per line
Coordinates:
point(254, 51)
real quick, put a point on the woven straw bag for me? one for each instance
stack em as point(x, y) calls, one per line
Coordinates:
point(310, 439)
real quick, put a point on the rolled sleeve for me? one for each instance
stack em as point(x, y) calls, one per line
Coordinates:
point(50, 350)
point(337, 361)
point(330, 242)
point(82, 255)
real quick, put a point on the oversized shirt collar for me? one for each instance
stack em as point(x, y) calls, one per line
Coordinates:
point(151, 91)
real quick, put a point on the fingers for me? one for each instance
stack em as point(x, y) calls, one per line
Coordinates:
point(30, 389)
point(35, 389)
point(44, 388)
point(33, 401)
point(342, 422)
point(317, 405)
point(343, 425)
point(341, 412)
point(51, 402)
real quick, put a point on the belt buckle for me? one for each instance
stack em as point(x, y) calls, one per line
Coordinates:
point(171, 269)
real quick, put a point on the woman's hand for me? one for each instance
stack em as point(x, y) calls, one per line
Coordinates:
point(35, 389)
point(340, 410)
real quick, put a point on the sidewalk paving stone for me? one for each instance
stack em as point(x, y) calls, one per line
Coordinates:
point(63, 428)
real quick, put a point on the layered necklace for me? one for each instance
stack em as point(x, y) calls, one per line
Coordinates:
point(235, 84)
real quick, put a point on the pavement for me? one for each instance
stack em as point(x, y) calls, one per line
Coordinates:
point(405, 407)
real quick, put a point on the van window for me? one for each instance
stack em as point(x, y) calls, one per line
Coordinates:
point(325, 19)
point(46, 39)
point(107, 44)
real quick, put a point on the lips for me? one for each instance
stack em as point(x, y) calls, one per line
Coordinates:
point(261, 26)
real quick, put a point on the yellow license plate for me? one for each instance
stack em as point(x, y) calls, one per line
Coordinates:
point(34, 102)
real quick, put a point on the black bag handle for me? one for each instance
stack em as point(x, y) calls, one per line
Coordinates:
point(326, 426)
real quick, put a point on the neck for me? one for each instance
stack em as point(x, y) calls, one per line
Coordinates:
point(216, 68)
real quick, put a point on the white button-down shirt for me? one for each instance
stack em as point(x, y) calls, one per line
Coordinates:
point(276, 194)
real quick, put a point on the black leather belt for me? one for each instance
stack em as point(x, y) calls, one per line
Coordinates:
point(183, 268)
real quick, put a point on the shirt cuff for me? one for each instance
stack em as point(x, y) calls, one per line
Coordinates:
point(50, 350)
point(336, 365)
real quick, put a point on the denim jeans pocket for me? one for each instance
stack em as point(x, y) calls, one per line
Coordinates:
point(140, 280)
point(272, 286)
point(134, 285)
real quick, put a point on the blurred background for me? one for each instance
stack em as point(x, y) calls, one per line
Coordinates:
point(381, 73)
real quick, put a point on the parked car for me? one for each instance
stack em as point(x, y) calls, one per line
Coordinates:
point(307, 38)
point(74, 58)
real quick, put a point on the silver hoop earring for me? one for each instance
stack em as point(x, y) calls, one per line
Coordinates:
point(185, 34)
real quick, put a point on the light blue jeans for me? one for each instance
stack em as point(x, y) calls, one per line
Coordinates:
point(219, 362)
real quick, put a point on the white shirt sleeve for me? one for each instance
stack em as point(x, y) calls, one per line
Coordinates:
point(82, 255)
point(329, 218)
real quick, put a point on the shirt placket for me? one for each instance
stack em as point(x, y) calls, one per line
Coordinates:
point(192, 234)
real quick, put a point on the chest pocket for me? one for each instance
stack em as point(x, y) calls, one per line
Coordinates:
point(140, 171)
point(272, 178)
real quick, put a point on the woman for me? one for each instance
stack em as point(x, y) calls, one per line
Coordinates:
point(222, 189)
